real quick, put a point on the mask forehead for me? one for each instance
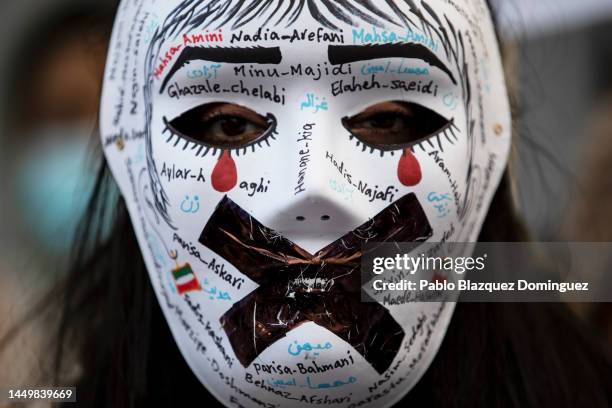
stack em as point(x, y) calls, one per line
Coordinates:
point(217, 223)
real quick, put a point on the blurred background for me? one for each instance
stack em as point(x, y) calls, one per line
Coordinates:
point(52, 55)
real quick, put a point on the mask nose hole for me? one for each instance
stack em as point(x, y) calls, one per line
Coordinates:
point(323, 218)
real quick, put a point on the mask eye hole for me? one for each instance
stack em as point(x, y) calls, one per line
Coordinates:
point(222, 126)
point(395, 125)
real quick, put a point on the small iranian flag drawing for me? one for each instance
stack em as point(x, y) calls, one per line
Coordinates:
point(185, 279)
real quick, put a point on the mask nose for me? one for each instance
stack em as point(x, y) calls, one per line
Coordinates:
point(315, 221)
point(320, 208)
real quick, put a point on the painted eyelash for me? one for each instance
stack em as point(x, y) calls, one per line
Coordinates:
point(204, 149)
point(448, 132)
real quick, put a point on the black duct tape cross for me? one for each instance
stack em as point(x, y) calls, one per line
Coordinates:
point(296, 287)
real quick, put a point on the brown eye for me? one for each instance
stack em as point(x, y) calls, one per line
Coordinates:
point(386, 121)
point(222, 125)
point(233, 126)
point(395, 125)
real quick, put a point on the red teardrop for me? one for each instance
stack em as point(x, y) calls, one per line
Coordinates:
point(224, 176)
point(409, 169)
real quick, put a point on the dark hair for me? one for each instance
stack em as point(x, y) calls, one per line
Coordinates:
point(493, 355)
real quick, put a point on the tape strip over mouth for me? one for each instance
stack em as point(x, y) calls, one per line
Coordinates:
point(296, 287)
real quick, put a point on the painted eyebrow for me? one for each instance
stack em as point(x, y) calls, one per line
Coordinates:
point(230, 55)
point(344, 54)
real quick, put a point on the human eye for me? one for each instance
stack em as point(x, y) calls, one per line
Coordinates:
point(396, 125)
point(223, 126)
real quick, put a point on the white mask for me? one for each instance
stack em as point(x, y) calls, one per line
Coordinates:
point(258, 145)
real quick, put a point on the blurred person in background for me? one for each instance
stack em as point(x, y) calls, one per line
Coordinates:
point(590, 215)
point(51, 106)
